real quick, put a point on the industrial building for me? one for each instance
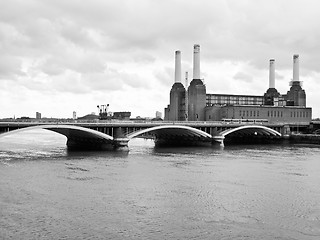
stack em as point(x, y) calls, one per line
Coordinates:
point(195, 104)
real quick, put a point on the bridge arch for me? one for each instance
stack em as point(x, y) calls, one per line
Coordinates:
point(250, 134)
point(77, 137)
point(66, 130)
point(175, 135)
point(251, 130)
point(171, 129)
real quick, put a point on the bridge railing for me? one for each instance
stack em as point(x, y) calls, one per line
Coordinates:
point(146, 123)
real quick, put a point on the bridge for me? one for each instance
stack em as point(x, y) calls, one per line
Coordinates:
point(108, 135)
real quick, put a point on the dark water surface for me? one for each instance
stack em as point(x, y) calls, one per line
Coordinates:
point(239, 192)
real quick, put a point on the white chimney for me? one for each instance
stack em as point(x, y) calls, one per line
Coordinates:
point(272, 74)
point(196, 61)
point(295, 67)
point(177, 71)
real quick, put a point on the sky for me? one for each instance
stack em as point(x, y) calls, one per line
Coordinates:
point(61, 56)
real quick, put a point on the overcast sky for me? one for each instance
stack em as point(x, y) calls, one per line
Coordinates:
point(60, 56)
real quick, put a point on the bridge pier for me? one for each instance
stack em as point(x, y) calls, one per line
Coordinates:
point(285, 131)
point(121, 144)
point(120, 141)
point(218, 139)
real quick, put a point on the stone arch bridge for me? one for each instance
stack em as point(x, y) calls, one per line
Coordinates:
point(107, 136)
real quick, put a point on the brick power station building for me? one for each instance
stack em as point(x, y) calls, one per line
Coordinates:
point(195, 104)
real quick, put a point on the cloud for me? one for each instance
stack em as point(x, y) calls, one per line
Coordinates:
point(77, 61)
point(10, 67)
point(165, 76)
point(243, 77)
point(278, 76)
point(107, 47)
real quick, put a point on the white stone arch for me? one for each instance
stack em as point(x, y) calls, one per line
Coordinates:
point(253, 127)
point(193, 131)
point(64, 130)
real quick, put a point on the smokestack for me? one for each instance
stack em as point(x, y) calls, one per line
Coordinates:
point(272, 74)
point(186, 78)
point(196, 61)
point(177, 70)
point(187, 97)
point(295, 67)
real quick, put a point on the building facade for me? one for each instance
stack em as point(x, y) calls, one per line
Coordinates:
point(38, 115)
point(270, 107)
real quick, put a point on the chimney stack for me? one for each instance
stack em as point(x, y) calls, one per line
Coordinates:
point(295, 67)
point(177, 71)
point(196, 61)
point(272, 74)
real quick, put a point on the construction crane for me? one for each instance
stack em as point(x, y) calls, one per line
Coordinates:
point(103, 111)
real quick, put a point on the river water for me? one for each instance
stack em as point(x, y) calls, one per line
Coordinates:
point(238, 192)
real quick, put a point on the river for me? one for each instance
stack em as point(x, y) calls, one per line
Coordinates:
point(236, 192)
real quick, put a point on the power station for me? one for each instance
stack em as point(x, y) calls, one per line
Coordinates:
point(193, 103)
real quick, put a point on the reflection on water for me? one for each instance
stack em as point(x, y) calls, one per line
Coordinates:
point(236, 192)
point(96, 154)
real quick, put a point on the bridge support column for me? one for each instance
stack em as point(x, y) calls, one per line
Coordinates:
point(118, 132)
point(213, 131)
point(120, 141)
point(285, 130)
point(121, 144)
point(219, 139)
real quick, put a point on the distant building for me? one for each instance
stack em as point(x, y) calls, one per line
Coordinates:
point(74, 115)
point(158, 114)
point(38, 115)
point(122, 115)
point(195, 104)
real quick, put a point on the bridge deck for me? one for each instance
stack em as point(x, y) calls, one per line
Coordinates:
point(111, 132)
point(143, 123)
